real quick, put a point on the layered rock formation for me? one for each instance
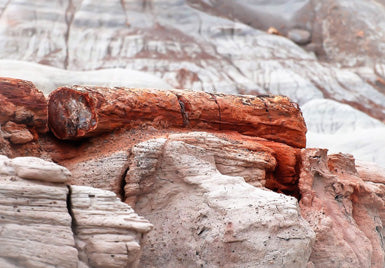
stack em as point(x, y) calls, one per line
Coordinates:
point(320, 50)
point(44, 223)
point(345, 209)
point(218, 191)
point(191, 183)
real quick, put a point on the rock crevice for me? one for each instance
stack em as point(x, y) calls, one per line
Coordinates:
point(59, 225)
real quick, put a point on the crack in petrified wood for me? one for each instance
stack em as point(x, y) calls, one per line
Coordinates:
point(80, 112)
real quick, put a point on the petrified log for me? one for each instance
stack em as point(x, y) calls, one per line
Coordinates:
point(79, 112)
point(22, 103)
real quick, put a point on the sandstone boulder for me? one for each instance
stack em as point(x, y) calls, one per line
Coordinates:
point(33, 168)
point(35, 224)
point(203, 218)
point(46, 224)
point(345, 210)
point(108, 232)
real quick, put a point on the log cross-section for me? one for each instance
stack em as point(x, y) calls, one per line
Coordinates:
point(81, 111)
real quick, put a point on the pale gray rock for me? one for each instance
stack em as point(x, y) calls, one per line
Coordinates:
point(299, 36)
point(204, 218)
point(325, 116)
point(47, 78)
point(341, 128)
point(349, 39)
point(44, 224)
point(5, 166)
point(105, 172)
point(35, 226)
point(34, 168)
point(108, 231)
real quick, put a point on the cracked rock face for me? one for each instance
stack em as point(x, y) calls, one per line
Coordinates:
point(202, 216)
point(345, 208)
point(35, 225)
point(213, 197)
point(43, 224)
point(107, 230)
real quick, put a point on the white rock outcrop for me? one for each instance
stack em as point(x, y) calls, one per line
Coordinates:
point(103, 172)
point(35, 226)
point(43, 224)
point(203, 218)
point(107, 230)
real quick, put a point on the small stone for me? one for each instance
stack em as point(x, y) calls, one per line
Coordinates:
point(17, 133)
point(5, 168)
point(38, 169)
point(299, 36)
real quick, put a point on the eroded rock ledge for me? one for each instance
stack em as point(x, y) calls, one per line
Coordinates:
point(200, 167)
point(43, 224)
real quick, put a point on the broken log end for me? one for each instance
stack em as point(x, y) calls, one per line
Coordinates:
point(71, 113)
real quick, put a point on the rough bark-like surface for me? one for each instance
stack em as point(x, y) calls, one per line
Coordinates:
point(84, 111)
point(345, 210)
point(204, 218)
point(21, 102)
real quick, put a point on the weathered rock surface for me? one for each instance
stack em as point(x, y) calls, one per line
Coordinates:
point(84, 111)
point(204, 192)
point(107, 230)
point(22, 103)
point(34, 221)
point(43, 224)
point(204, 218)
point(105, 172)
point(344, 208)
point(17, 133)
point(209, 45)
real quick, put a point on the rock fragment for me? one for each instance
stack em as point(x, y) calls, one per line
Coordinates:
point(108, 231)
point(345, 210)
point(17, 133)
point(299, 36)
point(22, 103)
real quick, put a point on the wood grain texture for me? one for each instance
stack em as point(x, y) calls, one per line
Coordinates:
point(80, 112)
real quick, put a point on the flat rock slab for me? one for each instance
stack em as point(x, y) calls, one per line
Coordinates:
point(34, 168)
point(35, 226)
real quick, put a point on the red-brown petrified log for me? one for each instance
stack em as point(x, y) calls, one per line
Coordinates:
point(79, 112)
point(21, 102)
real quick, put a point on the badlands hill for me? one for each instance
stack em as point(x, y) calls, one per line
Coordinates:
point(100, 175)
point(320, 50)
